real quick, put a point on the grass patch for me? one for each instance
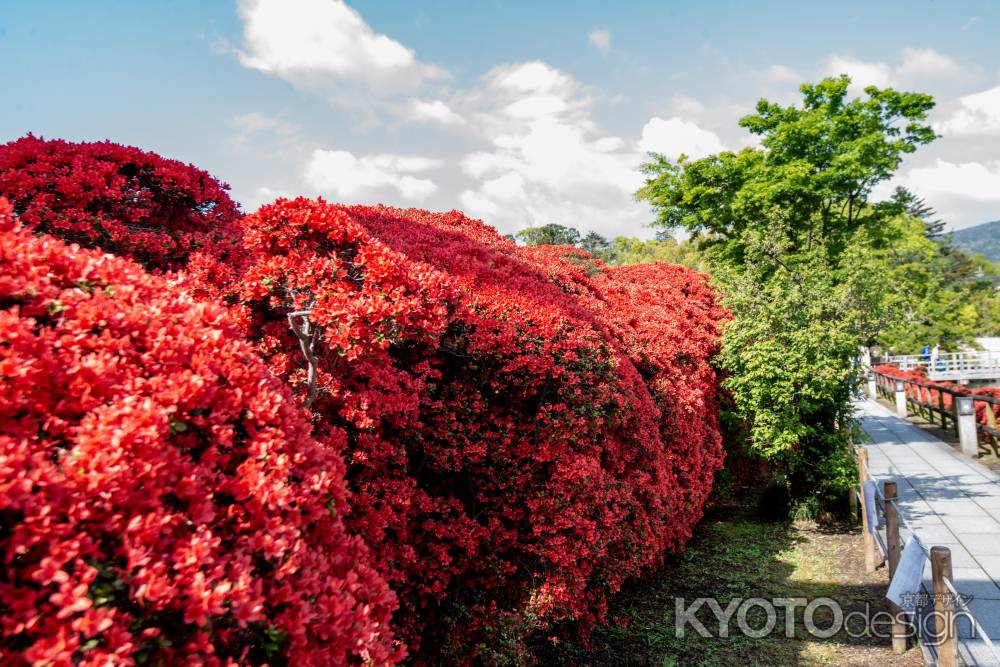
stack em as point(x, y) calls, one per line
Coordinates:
point(735, 555)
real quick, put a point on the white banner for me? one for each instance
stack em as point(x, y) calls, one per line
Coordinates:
point(904, 589)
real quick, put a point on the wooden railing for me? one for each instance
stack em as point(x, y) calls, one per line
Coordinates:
point(953, 365)
point(946, 407)
point(948, 603)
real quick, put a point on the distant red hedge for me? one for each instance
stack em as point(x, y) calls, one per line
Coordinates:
point(130, 202)
point(161, 498)
point(935, 394)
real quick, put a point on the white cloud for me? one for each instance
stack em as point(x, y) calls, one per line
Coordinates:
point(973, 21)
point(862, 73)
point(530, 77)
point(915, 67)
point(964, 193)
point(970, 180)
point(318, 43)
point(547, 160)
point(977, 114)
point(778, 75)
point(600, 39)
point(341, 173)
point(675, 137)
point(255, 121)
point(920, 64)
point(435, 111)
point(252, 125)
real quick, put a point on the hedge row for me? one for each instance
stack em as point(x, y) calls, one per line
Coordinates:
point(237, 460)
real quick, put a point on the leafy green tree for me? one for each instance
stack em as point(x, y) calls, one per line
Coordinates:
point(922, 290)
point(631, 250)
point(781, 224)
point(550, 234)
point(594, 243)
point(917, 207)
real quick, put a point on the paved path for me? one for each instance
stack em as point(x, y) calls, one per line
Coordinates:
point(948, 500)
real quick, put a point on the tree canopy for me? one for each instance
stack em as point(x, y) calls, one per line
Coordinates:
point(550, 234)
point(792, 238)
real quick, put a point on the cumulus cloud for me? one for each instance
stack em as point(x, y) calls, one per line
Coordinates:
point(434, 111)
point(316, 43)
point(963, 192)
point(972, 180)
point(600, 39)
point(537, 155)
point(915, 66)
point(976, 114)
point(547, 159)
point(779, 74)
point(342, 174)
point(674, 137)
point(862, 73)
point(919, 64)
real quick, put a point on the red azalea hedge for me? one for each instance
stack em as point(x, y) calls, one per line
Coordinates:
point(512, 466)
point(161, 498)
point(127, 201)
point(523, 429)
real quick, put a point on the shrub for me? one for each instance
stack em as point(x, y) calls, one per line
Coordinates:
point(161, 498)
point(510, 462)
point(932, 391)
point(127, 201)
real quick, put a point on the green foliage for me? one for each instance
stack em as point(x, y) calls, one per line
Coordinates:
point(620, 250)
point(785, 226)
point(808, 184)
point(788, 354)
point(988, 310)
point(916, 290)
point(551, 234)
point(594, 243)
point(631, 250)
point(917, 207)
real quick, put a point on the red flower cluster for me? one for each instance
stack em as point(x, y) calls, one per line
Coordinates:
point(162, 500)
point(934, 394)
point(125, 200)
point(516, 448)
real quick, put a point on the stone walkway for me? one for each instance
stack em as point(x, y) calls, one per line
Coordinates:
point(948, 500)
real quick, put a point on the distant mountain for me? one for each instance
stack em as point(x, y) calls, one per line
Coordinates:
point(984, 239)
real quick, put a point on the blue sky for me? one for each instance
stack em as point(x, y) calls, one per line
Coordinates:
point(520, 113)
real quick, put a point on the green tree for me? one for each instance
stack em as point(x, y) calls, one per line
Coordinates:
point(594, 243)
point(917, 207)
point(550, 234)
point(631, 250)
point(922, 290)
point(781, 224)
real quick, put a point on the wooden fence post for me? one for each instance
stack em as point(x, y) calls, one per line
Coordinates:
point(944, 608)
point(892, 546)
point(852, 501)
point(871, 563)
point(991, 424)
